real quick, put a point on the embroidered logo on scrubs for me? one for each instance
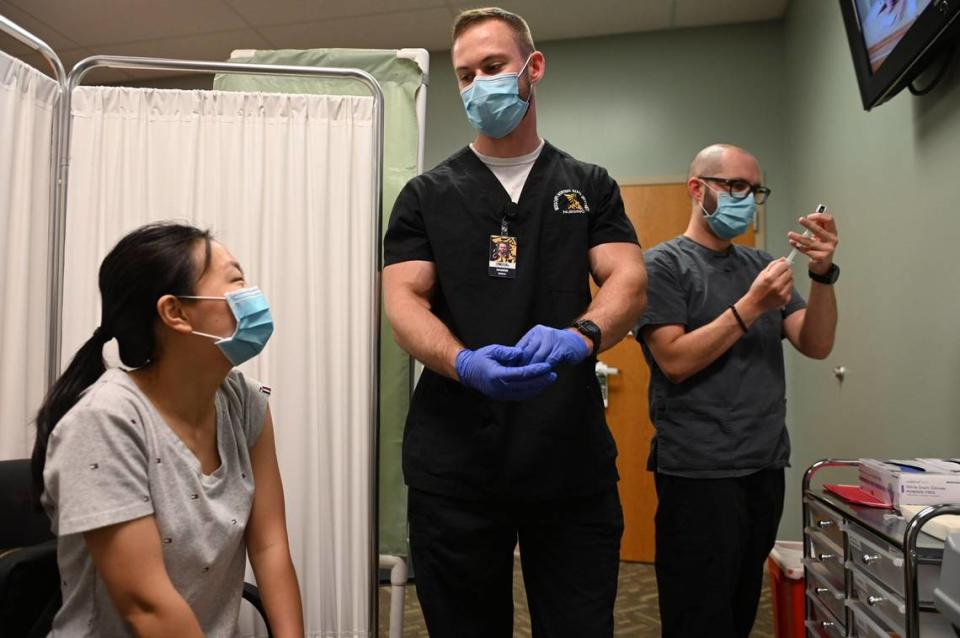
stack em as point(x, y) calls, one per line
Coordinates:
point(570, 201)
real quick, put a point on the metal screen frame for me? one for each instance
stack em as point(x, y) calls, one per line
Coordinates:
point(56, 145)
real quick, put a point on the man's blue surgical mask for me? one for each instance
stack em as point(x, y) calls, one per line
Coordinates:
point(254, 324)
point(493, 103)
point(732, 216)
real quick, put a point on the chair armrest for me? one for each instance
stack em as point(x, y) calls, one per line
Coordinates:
point(29, 589)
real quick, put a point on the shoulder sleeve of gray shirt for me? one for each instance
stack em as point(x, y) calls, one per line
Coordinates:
point(249, 399)
point(96, 468)
point(666, 300)
point(797, 302)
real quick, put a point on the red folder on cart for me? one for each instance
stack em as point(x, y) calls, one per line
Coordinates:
point(853, 494)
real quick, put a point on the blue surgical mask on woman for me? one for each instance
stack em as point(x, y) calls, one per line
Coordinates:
point(493, 103)
point(254, 324)
point(732, 217)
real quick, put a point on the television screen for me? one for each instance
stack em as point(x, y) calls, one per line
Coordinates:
point(884, 23)
point(892, 41)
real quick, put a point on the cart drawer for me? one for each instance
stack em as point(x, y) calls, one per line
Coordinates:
point(867, 626)
point(821, 623)
point(823, 519)
point(882, 603)
point(884, 562)
point(820, 588)
point(872, 556)
point(824, 553)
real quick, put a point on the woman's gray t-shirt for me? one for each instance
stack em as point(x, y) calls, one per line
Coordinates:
point(112, 458)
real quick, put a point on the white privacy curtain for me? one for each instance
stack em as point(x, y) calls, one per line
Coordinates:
point(284, 182)
point(27, 105)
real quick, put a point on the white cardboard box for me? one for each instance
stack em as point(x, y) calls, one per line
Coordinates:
point(933, 485)
point(950, 466)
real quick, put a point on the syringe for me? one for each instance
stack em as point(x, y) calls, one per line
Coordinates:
point(821, 208)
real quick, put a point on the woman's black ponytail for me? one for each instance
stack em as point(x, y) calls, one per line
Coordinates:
point(151, 261)
point(85, 368)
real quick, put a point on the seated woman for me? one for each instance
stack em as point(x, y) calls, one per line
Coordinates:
point(160, 481)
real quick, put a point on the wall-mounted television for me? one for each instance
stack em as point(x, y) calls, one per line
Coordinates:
point(892, 41)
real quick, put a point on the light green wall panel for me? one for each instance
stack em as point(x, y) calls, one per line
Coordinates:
point(891, 176)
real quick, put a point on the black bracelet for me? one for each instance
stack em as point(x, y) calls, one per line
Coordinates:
point(738, 318)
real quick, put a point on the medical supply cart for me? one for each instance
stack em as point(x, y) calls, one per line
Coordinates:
point(868, 571)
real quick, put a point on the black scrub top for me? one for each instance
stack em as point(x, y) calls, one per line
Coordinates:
point(458, 442)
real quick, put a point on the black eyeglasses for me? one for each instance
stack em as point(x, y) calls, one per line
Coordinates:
point(740, 188)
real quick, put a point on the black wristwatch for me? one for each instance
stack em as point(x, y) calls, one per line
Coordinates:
point(828, 277)
point(591, 331)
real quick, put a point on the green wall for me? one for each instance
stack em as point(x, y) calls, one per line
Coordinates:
point(891, 176)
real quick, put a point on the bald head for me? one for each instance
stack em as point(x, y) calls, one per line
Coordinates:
point(714, 158)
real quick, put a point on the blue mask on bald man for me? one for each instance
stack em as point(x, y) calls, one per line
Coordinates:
point(732, 216)
point(493, 103)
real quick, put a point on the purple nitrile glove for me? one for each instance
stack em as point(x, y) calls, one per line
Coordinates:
point(496, 371)
point(550, 345)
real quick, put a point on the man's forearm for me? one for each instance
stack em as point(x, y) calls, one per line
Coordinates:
point(618, 304)
point(694, 351)
point(423, 335)
point(819, 322)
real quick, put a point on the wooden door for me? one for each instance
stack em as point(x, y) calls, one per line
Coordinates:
point(659, 212)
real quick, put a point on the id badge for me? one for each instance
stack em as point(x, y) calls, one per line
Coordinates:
point(503, 257)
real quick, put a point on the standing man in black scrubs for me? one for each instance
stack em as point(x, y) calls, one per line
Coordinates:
point(487, 259)
point(712, 335)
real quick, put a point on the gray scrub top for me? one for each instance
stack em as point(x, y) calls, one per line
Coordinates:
point(729, 419)
point(111, 459)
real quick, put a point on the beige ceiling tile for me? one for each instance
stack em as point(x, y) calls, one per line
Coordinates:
point(696, 13)
point(26, 21)
point(204, 46)
point(95, 22)
point(260, 13)
point(426, 29)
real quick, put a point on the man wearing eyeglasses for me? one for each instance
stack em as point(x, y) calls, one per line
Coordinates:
point(717, 313)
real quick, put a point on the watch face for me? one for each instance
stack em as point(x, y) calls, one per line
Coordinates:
point(588, 328)
point(591, 331)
